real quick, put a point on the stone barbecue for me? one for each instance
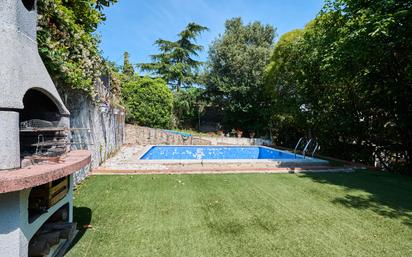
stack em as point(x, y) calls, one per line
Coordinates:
point(36, 164)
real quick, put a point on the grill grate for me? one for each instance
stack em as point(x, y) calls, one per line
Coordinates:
point(36, 123)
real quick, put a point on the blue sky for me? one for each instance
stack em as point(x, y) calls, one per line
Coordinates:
point(134, 25)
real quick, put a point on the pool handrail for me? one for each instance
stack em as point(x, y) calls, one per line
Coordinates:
point(316, 148)
point(306, 150)
point(297, 145)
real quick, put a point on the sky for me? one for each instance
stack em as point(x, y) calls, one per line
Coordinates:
point(134, 25)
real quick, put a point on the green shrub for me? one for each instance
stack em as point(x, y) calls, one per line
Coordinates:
point(149, 102)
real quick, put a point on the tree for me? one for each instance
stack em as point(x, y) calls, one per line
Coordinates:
point(286, 119)
point(127, 67)
point(175, 63)
point(352, 73)
point(148, 101)
point(188, 106)
point(234, 76)
point(370, 63)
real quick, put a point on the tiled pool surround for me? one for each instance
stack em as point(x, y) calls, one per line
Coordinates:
point(129, 162)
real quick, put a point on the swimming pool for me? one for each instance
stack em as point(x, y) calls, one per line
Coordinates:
point(220, 159)
point(219, 153)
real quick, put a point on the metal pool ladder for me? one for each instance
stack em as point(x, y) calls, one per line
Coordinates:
point(307, 142)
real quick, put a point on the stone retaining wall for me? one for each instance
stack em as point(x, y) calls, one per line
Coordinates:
point(150, 136)
point(100, 130)
point(235, 141)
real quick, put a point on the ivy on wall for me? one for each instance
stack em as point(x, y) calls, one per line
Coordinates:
point(68, 45)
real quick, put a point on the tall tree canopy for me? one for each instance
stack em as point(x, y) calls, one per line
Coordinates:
point(188, 105)
point(175, 63)
point(349, 74)
point(287, 121)
point(235, 68)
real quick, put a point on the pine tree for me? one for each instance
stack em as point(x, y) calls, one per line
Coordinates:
point(127, 67)
point(175, 63)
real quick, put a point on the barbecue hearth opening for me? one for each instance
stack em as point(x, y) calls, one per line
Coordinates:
point(43, 132)
point(29, 4)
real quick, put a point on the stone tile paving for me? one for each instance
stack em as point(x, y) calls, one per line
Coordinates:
point(126, 162)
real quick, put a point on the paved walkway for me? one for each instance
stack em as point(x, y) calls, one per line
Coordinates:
point(126, 162)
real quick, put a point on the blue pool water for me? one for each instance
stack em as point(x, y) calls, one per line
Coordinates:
point(215, 152)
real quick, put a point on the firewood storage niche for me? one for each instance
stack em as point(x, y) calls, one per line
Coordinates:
point(53, 235)
point(43, 197)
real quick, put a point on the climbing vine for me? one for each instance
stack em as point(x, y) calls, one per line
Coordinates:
point(68, 45)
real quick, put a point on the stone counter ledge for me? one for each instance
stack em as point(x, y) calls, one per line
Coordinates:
point(19, 179)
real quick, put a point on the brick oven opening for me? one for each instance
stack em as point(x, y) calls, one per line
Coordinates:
point(42, 134)
point(37, 105)
point(29, 4)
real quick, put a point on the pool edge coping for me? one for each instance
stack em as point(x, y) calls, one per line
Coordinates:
point(145, 150)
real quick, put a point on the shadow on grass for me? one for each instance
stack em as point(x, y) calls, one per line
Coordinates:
point(388, 195)
point(83, 216)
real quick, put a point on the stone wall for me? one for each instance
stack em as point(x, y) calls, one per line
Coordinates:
point(235, 141)
point(100, 130)
point(149, 136)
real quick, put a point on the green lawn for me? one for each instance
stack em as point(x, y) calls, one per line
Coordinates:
point(343, 214)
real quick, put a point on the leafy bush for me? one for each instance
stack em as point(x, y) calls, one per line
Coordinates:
point(149, 102)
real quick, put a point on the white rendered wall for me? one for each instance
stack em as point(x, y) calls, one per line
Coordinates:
point(13, 242)
point(9, 140)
